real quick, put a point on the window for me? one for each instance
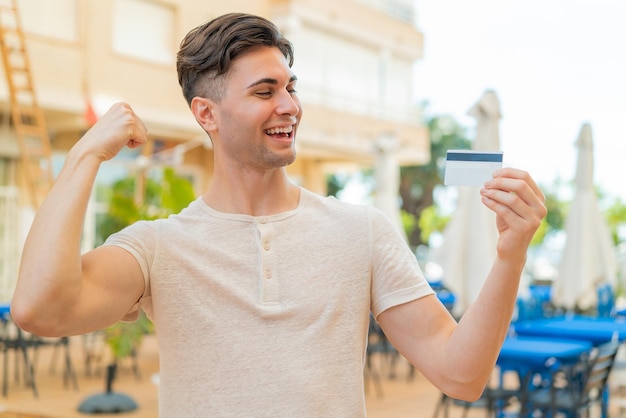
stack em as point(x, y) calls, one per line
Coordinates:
point(53, 19)
point(336, 71)
point(143, 29)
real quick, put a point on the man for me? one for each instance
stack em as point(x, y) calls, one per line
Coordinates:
point(261, 291)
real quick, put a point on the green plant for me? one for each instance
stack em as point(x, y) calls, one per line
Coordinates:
point(431, 220)
point(124, 338)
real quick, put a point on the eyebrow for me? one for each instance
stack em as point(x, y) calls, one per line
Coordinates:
point(271, 81)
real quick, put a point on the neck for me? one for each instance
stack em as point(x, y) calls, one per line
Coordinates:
point(253, 193)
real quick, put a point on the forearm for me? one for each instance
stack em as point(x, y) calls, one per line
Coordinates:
point(49, 280)
point(485, 324)
point(459, 358)
point(476, 341)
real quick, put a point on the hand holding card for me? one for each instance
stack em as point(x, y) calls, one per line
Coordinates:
point(471, 168)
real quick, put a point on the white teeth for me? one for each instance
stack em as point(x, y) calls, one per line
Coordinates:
point(284, 130)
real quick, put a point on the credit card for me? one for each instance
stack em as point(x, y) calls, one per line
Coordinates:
point(471, 168)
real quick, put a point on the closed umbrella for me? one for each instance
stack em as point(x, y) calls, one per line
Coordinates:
point(469, 240)
point(388, 181)
point(588, 257)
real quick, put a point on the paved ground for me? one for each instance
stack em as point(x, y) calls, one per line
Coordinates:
point(403, 396)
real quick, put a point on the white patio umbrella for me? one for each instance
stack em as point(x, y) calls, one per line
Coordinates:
point(588, 258)
point(469, 240)
point(387, 172)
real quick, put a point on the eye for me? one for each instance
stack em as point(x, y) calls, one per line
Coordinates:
point(264, 93)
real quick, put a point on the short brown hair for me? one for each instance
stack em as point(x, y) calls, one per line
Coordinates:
point(207, 52)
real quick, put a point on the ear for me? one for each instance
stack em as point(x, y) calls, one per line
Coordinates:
point(203, 110)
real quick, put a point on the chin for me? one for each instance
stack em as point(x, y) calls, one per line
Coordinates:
point(289, 161)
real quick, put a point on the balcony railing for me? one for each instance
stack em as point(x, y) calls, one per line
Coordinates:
point(319, 95)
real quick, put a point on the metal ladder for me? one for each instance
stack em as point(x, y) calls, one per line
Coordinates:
point(28, 119)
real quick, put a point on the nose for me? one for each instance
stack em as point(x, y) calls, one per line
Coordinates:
point(288, 104)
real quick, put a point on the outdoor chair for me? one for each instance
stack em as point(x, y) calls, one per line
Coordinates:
point(494, 400)
point(26, 346)
point(445, 402)
point(606, 300)
point(377, 344)
point(57, 344)
point(13, 341)
point(529, 307)
point(94, 348)
point(575, 389)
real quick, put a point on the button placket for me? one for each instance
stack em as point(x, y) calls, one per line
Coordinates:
point(269, 284)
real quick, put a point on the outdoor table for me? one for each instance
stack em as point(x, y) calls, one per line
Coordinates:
point(597, 330)
point(528, 356)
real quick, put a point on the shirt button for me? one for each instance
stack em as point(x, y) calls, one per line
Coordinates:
point(266, 246)
point(268, 275)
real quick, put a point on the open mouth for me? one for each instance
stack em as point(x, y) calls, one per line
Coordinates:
point(280, 132)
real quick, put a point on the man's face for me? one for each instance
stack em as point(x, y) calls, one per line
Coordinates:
point(258, 115)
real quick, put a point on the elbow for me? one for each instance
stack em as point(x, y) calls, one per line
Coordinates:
point(27, 317)
point(465, 391)
point(22, 315)
point(466, 394)
point(465, 382)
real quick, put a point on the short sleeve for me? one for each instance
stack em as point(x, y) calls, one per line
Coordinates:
point(396, 275)
point(140, 240)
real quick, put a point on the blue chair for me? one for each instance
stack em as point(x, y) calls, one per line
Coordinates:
point(537, 303)
point(529, 307)
point(542, 292)
point(606, 300)
point(445, 295)
point(577, 388)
